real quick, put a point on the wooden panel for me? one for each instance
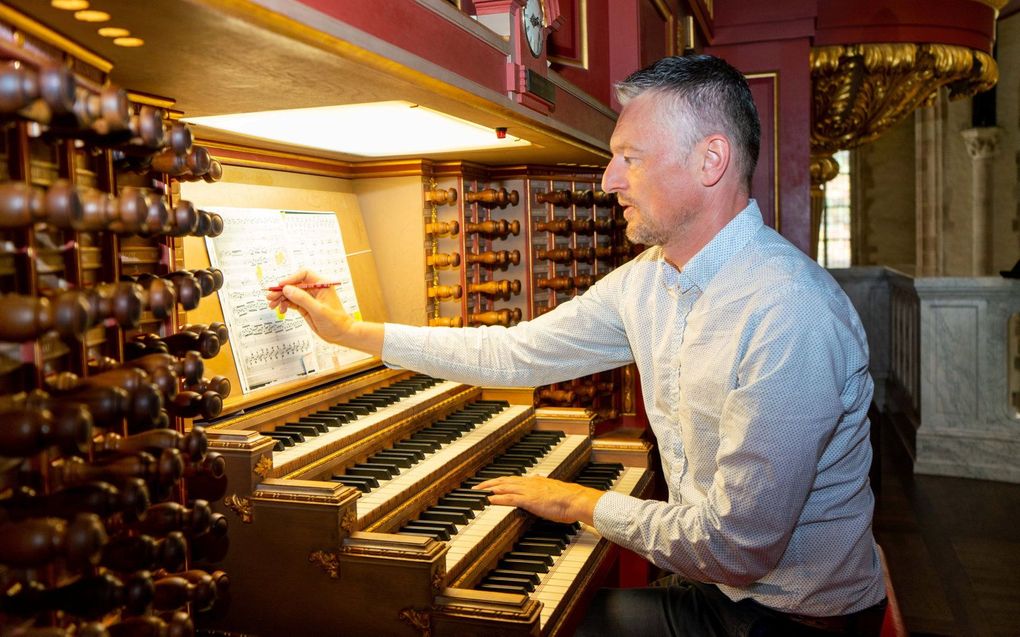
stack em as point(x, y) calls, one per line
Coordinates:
point(657, 32)
point(780, 69)
point(765, 184)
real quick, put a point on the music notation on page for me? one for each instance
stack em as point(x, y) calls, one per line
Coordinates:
point(260, 246)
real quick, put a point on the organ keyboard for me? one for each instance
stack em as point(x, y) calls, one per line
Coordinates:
point(355, 514)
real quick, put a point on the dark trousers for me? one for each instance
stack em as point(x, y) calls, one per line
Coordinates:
point(681, 608)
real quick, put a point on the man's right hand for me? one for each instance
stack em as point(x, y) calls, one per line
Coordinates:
point(325, 314)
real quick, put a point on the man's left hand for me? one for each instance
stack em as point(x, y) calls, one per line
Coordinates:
point(551, 499)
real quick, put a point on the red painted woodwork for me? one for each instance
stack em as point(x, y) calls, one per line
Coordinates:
point(411, 27)
point(624, 39)
point(656, 35)
point(780, 68)
point(564, 49)
point(965, 23)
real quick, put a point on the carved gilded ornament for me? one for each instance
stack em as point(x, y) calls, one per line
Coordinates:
point(264, 466)
point(349, 521)
point(859, 91)
point(438, 579)
point(420, 620)
point(328, 562)
point(241, 506)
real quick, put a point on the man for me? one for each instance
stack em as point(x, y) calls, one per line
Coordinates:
point(753, 365)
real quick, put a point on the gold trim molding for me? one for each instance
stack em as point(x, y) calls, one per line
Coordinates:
point(859, 91)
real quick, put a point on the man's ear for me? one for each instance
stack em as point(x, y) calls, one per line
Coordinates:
point(715, 159)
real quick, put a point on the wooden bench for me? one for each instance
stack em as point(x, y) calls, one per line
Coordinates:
point(892, 623)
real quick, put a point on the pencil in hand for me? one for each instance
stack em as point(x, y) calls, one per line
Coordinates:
point(305, 286)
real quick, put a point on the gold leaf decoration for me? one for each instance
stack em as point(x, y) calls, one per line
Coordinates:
point(328, 562)
point(859, 91)
point(241, 506)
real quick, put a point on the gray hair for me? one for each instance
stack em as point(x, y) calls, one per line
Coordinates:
point(706, 95)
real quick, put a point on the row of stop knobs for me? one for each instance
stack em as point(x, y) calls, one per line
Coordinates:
point(71, 313)
point(140, 140)
point(69, 207)
point(100, 523)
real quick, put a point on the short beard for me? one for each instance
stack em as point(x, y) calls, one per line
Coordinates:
point(650, 233)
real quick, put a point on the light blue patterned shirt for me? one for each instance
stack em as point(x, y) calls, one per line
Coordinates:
point(754, 371)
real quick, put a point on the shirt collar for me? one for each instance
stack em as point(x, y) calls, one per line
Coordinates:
point(729, 242)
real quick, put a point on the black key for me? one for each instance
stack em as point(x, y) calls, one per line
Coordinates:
point(472, 503)
point(538, 546)
point(362, 483)
point(323, 421)
point(528, 576)
point(510, 581)
point(448, 516)
point(384, 462)
point(368, 470)
point(453, 508)
point(309, 431)
point(471, 493)
point(294, 436)
point(413, 453)
point(436, 534)
point(544, 558)
point(502, 588)
point(535, 566)
point(400, 460)
point(356, 409)
point(284, 439)
point(449, 528)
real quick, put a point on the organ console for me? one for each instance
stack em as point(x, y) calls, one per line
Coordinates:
point(361, 493)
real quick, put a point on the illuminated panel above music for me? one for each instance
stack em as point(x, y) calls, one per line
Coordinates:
point(378, 129)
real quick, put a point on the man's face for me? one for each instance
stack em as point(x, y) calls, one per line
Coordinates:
point(654, 177)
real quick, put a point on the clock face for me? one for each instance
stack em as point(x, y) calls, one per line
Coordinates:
point(534, 27)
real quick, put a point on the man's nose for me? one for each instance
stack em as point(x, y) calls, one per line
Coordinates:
point(611, 178)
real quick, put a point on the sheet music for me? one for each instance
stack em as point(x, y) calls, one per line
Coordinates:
point(257, 248)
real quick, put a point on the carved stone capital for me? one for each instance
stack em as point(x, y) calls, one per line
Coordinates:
point(982, 143)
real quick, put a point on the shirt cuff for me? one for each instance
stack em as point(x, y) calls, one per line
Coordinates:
point(614, 513)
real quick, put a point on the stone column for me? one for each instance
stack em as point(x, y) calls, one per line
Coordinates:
point(823, 168)
point(982, 146)
point(929, 214)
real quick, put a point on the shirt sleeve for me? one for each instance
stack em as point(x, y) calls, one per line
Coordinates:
point(775, 424)
point(582, 336)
